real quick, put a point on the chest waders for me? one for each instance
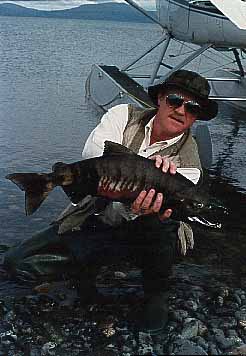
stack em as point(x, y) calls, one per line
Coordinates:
point(146, 241)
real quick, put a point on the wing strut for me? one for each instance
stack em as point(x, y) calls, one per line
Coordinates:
point(187, 60)
point(239, 63)
point(139, 8)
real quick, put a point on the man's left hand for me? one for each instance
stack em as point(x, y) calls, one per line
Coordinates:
point(164, 163)
point(144, 203)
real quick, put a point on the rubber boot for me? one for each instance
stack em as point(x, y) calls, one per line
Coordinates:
point(86, 286)
point(154, 314)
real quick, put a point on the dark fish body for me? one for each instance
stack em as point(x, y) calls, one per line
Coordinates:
point(118, 175)
point(120, 178)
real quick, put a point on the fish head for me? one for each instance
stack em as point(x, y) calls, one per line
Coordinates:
point(206, 212)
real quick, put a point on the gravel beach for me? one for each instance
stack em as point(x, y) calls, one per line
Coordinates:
point(207, 306)
point(207, 310)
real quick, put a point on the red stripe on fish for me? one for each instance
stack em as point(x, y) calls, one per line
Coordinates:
point(113, 189)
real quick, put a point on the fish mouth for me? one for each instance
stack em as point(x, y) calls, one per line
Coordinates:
point(205, 222)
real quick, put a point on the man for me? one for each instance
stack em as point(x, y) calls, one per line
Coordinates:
point(144, 234)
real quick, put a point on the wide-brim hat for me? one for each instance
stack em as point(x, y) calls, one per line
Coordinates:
point(193, 83)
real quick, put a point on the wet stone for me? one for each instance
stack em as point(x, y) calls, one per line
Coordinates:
point(202, 328)
point(191, 305)
point(241, 315)
point(34, 352)
point(242, 324)
point(225, 311)
point(241, 350)
point(213, 350)
point(145, 344)
point(201, 317)
point(224, 291)
point(158, 347)
point(186, 347)
point(5, 326)
point(228, 323)
point(3, 309)
point(220, 301)
point(231, 333)
point(228, 343)
point(178, 315)
point(198, 340)
point(190, 328)
point(238, 299)
point(40, 322)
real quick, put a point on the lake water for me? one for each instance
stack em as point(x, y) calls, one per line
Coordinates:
point(44, 117)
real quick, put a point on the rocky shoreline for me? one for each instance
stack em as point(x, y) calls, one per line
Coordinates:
point(207, 317)
point(207, 307)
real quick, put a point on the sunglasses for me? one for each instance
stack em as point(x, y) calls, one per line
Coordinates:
point(191, 106)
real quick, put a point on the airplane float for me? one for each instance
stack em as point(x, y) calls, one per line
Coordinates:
point(218, 25)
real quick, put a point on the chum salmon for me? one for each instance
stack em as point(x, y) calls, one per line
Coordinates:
point(119, 175)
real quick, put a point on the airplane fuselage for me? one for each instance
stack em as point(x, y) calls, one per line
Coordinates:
point(199, 22)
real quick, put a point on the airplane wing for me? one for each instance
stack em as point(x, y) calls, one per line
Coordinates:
point(235, 10)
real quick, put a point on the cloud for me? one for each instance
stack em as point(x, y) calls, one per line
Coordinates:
point(65, 4)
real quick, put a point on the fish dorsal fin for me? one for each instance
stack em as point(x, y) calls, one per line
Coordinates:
point(113, 148)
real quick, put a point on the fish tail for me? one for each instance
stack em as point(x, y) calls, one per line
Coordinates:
point(37, 186)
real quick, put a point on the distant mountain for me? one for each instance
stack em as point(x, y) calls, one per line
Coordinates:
point(107, 11)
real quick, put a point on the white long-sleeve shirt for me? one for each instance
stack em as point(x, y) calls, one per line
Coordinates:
point(111, 128)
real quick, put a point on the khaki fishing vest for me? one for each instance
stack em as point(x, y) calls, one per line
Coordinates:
point(183, 153)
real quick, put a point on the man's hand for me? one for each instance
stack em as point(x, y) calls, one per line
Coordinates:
point(144, 203)
point(164, 163)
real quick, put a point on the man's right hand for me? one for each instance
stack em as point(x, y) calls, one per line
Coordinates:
point(145, 204)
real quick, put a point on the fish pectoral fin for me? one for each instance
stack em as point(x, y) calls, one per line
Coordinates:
point(113, 148)
point(74, 192)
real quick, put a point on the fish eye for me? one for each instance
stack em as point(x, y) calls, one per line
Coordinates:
point(199, 205)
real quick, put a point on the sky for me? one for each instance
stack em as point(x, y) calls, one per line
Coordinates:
point(66, 4)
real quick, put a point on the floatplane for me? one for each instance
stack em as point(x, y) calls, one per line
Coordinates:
point(217, 26)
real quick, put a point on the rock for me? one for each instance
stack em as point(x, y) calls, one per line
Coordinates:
point(191, 305)
point(212, 349)
point(227, 343)
point(178, 315)
point(190, 328)
point(202, 328)
point(227, 323)
point(198, 340)
point(48, 348)
point(145, 344)
point(241, 350)
point(186, 347)
point(241, 315)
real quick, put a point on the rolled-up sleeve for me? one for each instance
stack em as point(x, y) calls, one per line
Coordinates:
point(192, 174)
point(110, 128)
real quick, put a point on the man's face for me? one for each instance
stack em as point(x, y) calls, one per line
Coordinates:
point(175, 120)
